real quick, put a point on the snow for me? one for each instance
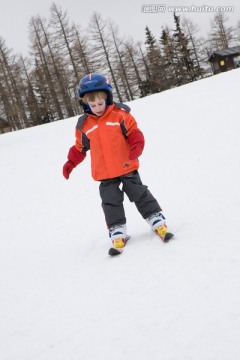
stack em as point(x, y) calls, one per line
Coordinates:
point(62, 296)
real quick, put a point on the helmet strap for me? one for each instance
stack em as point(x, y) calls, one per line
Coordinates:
point(86, 107)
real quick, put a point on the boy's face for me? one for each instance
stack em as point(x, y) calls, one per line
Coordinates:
point(98, 106)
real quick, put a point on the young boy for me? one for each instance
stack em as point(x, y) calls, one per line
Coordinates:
point(115, 142)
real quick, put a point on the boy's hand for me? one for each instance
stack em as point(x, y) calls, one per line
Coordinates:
point(68, 168)
point(135, 152)
point(136, 144)
point(75, 157)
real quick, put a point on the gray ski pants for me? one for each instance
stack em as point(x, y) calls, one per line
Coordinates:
point(112, 198)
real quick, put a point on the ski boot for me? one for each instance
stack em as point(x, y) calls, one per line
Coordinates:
point(157, 222)
point(118, 237)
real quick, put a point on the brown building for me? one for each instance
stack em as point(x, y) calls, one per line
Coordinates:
point(225, 59)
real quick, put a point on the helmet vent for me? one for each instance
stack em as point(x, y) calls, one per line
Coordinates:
point(99, 83)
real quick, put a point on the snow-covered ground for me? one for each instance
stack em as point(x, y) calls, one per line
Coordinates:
point(63, 298)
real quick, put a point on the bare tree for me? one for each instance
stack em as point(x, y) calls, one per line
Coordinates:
point(40, 49)
point(63, 33)
point(82, 53)
point(120, 59)
point(64, 37)
point(102, 49)
point(43, 88)
point(135, 64)
point(7, 104)
point(11, 89)
point(196, 45)
point(237, 33)
point(56, 62)
point(30, 95)
point(221, 36)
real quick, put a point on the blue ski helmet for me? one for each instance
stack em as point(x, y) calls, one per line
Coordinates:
point(95, 82)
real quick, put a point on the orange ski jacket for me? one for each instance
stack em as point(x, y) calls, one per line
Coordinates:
point(107, 139)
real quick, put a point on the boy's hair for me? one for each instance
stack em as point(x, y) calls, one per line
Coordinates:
point(91, 96)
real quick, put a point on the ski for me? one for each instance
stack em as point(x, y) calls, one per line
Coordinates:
point(162, 232)
point(167, 237)
point(113, 252)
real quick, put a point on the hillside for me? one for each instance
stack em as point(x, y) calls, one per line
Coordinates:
point(63, 298)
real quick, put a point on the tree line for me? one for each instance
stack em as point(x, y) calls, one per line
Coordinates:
point(43, 87)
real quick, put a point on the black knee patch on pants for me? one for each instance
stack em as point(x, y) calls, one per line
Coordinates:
point(110, 192)
point(133, 187)
point(112, 202)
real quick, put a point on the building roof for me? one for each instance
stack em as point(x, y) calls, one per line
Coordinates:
point(235, 50)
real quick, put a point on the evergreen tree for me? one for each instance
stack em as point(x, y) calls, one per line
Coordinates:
point(182, 56)
point(168, 53)
point(155, 74)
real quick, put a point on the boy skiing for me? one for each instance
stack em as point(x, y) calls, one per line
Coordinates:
point(115, 142)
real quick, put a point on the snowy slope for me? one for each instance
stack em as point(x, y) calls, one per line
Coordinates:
point(63, 298)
